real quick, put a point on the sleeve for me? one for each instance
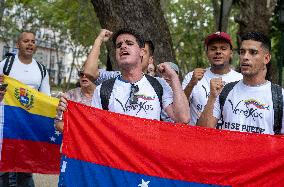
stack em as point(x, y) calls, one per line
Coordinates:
point(167, 93)
point(186, 80)
point(96, 101)
point(282, 129)
point(45, 87)
point(216, 109)
point(105, 75)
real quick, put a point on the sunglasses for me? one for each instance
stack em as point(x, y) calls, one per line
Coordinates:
point(133, 97)
point(81, 74)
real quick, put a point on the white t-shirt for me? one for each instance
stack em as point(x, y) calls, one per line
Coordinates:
point(201, 91)
point(248, 109)
point(28, 74)
point(148, 102)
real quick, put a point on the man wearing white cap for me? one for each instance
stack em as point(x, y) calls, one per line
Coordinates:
point(196, 84)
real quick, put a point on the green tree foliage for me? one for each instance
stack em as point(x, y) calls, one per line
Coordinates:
point(190, 21)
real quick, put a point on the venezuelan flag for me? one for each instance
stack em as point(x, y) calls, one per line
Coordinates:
point(107, 149)
point(28, 139)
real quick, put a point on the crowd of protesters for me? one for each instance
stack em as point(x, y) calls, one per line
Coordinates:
point(215, 97)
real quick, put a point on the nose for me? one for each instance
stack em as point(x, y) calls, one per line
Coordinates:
point(123, 45)
point(244, 55)
point(218, 51)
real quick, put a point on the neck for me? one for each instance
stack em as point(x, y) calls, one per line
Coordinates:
point(25, 59)
point(88, 91)
point(132, 76)
point(254, 81)
point(220, 70)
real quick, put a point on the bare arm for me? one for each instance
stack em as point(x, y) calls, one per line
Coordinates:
point(91, 65)
point(207, 119)
point(179, 109)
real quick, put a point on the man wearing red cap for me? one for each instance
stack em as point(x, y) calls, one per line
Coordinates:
point(253, 104)
point(196, 84)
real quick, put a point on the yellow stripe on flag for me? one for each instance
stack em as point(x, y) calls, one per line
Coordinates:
point(29, 99)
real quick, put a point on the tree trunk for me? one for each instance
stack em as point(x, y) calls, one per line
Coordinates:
point(146, 16)
point(255, 15)
point(227, 6)
point(2, 8)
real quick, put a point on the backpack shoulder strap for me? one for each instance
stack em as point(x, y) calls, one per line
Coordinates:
point(157, 87)
point(277, 99)
point(105, 92)
point(42, 72)
point(225, 92)
point(222, 98)
point(42, 69)
point(8, 64)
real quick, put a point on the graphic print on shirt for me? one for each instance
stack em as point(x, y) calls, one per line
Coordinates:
point(200, 106)
point(206, 93)
point(142, 104)
point(247, 109)
point(253, 108)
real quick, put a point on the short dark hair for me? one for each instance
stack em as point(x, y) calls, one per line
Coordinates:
point(259, 37)
point(151, 47)
point(138, 36)
point(25, 31)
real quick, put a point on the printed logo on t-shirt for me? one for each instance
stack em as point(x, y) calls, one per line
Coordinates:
point(207, 93)
point(199, 106)
point(244, 109)
point(254, 109)
point(141, 105)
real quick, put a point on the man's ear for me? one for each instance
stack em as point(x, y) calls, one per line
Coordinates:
point(267, 58)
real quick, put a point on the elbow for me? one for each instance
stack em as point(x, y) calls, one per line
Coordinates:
point(184, 118)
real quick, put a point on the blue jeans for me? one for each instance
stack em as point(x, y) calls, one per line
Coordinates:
point(13, 179)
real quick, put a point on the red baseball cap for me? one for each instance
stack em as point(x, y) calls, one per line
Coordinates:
point(218, 36)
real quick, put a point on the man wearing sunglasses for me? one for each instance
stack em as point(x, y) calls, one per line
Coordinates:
point(132, 92)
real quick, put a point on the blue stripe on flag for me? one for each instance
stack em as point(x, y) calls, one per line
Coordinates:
point(22, 125)
point(79, 173)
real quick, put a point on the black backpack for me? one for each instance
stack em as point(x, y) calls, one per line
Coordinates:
point(9, 63)
point(277, 100)
point(107, 87)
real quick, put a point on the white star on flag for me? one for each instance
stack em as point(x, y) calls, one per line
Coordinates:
point(52, 139)
point(144, 183)
point(57, 133)
point(63, 167)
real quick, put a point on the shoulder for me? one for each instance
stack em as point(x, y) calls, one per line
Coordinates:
point(166, 87)
point(234, 73)
point(161, 80)
point(188, 75)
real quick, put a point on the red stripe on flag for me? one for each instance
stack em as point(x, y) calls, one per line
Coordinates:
point(29, 156)
point(172, 151)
